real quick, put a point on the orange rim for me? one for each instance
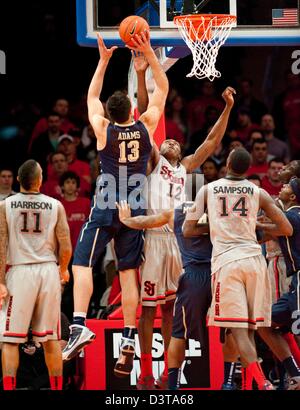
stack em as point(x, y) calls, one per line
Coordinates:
point(197, 19)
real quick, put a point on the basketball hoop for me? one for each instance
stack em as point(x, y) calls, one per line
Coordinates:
point(204, 34)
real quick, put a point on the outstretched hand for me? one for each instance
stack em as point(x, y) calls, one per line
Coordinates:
point(228, 96)
point(105, 53)
point(141, 42)
point(139, 61)
point(124, 210)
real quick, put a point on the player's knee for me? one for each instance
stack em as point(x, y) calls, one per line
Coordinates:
point(148, 313)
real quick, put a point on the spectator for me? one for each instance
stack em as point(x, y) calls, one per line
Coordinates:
point(276, 147)
point(6, 182)
point(254, 135)
point(271, 182)
point(60, 107)
point(287, 107)
point(255, 179)
point(67, 146)
point(46, 143)
point(176, 127)
point(59, 165)
point(236, 143)
point(222, 171)
point(210, 170)
point(244, 124)
point(259, 155)
point(249, 102)
point(196, 108)
point(77, 208)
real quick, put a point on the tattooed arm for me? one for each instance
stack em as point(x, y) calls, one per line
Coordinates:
point(62, 232)
point(3, 250)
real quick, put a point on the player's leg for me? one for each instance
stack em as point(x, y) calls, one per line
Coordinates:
point(128, 247)
point(231, 357)
point(176, 356)
point(10, 364)
point(171, 269)
point(91, 243)
point(145, 331)
point(53, 359)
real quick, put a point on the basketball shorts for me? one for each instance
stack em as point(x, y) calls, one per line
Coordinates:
point(241, 295)
point(193, 299)
point(161, 268)
point(287, 308)
point(280, 283)
point(101, 227)
point(33, 301)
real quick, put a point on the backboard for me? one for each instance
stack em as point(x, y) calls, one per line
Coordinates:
point(259, 22)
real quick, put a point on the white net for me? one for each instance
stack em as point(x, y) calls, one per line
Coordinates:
point(204, 35)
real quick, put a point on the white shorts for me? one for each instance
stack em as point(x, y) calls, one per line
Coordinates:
point(241, 295)
point(280, 283)
point(161, 268)
point(33, 302)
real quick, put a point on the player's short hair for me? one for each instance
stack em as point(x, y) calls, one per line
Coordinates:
point(69, 175)
point(297, 168)
point(28, 174)
point(118, 107)
point(240, 160)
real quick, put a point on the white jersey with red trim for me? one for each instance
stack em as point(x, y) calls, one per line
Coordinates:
point(232, 206)
point(166, 189)
point(31, 220)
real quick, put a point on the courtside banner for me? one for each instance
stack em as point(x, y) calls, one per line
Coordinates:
point(195, 369)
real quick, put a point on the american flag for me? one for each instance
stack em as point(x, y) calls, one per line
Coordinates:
point(284, 17)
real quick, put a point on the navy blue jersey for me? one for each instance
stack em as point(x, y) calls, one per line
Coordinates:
point(290, 245)
point(194, 251)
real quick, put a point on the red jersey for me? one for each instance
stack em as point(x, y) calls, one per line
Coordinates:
point(77, 212)
point(271, 189)
point(260, 170)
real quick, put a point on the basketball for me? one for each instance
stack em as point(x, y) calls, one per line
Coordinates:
point(130, 26)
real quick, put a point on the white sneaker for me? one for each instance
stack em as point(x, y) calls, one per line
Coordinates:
point(80, 336)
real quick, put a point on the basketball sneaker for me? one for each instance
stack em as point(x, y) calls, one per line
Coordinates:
point(229, 386)
point(294, 383)
point(268, 386)
point(145, 383)
point(80, 336)
point(162, 382)
point(124, 363)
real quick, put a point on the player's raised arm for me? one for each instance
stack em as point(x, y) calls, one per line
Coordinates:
point(95, 107)
point(280, 225)
point(190, 226)
point(143, 222)
point(3, 251)
point(158, 98)
point(215, 136)
point(140, 65)
point(62, 232)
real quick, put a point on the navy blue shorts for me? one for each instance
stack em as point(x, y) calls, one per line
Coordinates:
point(97, 232)
point(289, 302)
point(193, 298)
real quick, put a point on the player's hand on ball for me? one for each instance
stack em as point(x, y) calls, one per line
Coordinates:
point(3, 294)
point(228, 96)
point(124, 210)
point(105, 53)
point(140, 62)
point(141, 42)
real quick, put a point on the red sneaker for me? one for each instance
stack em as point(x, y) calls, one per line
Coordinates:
point(145, 383)
point(162, 382)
